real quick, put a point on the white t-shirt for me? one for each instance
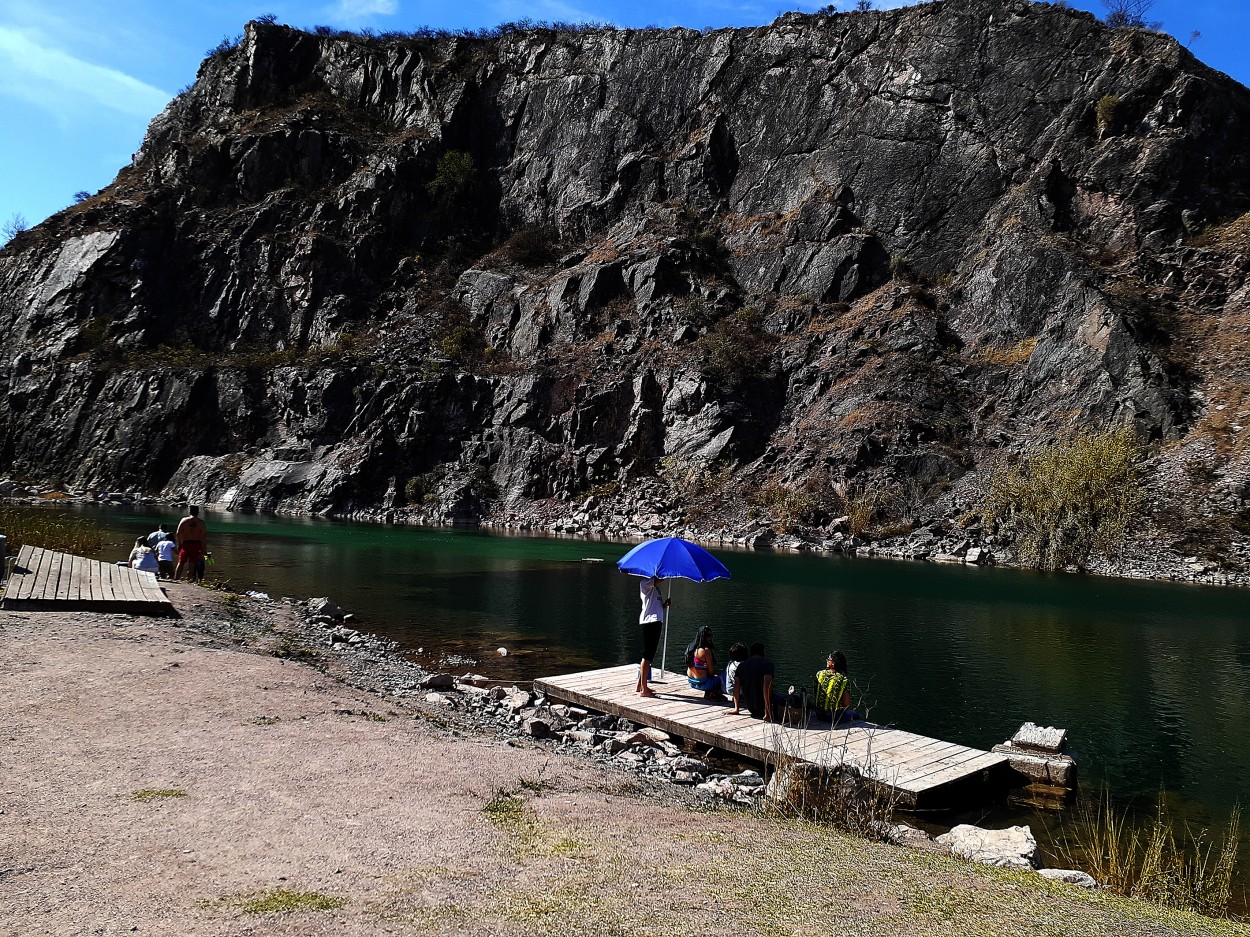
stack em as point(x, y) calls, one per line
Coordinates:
point(143, 558)
point(652, 602)
point(731, 672)
point(165, 551)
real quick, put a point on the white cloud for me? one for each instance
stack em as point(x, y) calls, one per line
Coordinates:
point(510, 10)
point(65, 86)
point(362, 9)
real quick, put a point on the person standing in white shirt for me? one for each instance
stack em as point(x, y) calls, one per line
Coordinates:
point(652, 621)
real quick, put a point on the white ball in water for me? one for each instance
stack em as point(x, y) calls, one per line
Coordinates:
point(502, 652)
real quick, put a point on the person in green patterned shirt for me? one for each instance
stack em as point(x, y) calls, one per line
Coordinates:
point(833, 690)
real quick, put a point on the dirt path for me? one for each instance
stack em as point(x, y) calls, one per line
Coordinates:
point(284, 778)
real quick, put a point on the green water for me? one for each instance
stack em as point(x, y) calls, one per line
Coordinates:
point(1152, 680)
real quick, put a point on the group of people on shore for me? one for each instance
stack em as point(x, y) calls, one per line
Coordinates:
point(748, 677)
point(156, 552)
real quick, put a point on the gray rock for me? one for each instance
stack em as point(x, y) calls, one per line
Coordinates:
point(324, 607)
point(538, 728)
point(1013, 847)
point(1071, 876)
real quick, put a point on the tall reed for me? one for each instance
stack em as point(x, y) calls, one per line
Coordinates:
point(1158, 861)
point(50, 530)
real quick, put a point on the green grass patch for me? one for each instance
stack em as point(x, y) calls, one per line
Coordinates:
point(287, 900)
point(149, 794)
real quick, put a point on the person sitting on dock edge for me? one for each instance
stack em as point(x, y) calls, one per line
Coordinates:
point(652, 621)
point(737, 654)
point(753, 684)
point(142, 557)
point(833, 690)
point(701, 665)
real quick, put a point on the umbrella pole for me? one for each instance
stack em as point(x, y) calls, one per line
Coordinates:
point(664, 645)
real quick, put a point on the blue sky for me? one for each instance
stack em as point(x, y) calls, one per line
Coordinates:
point(81, 79)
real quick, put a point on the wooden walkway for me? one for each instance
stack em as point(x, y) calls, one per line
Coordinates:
point(921, 772)
point(45, 579)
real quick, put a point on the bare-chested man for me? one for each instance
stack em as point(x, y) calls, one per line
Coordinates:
point(191, 538)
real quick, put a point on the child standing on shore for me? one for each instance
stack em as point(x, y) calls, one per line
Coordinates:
point(165, 557)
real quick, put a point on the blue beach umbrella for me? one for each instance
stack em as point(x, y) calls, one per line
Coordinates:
point(671, 558)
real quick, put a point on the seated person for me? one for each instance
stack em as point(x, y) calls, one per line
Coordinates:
point(833, 690)
point(701, 665)
point(142, 557)
point(737, 654)
point(753, 685)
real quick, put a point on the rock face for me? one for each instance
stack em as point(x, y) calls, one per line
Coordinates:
point(473, 277)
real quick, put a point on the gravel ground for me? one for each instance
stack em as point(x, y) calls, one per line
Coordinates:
point(178, 776)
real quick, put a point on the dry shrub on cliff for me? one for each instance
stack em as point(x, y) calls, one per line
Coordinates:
point(789, 507)
point(735, 348)
point(532, 247)
point(1066, 501)
point(1005, 355)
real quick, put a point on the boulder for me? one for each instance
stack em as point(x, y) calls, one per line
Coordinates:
point(1071, 876)
point(537, 728)
point(437, 681)
point(1013, 847)
point(324, 607)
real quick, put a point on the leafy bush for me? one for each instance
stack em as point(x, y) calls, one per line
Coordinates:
point(789, 506)
point(1068, 500)
point(735, 349)
point(453, 178)
point(460, 341)
point(227, 44)
point(420, 489)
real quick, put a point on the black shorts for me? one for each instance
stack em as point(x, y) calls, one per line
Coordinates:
point(651, 638)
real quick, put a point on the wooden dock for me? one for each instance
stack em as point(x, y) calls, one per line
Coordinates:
point(920, 772)
point(46, 580)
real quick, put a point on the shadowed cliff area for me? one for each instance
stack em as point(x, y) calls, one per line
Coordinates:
point(732, 279)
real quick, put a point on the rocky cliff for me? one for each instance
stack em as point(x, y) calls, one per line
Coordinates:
point(751, 274)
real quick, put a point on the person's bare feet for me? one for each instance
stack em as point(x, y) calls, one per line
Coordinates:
point(648, 693)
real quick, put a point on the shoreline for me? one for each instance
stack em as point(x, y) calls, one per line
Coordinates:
point(1141, 560)
point(263, 767)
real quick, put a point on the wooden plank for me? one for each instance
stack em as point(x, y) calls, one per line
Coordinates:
point(19, 584)
point(42, 562)
point(973, 763)
point(127, 582)
point(960, 765)
point(58, 583)
point(45, 587)
point(108, 593)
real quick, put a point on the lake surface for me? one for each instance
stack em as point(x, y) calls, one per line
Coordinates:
point(1152, 680)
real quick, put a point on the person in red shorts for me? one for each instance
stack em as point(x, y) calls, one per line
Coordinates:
point(191, 537)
